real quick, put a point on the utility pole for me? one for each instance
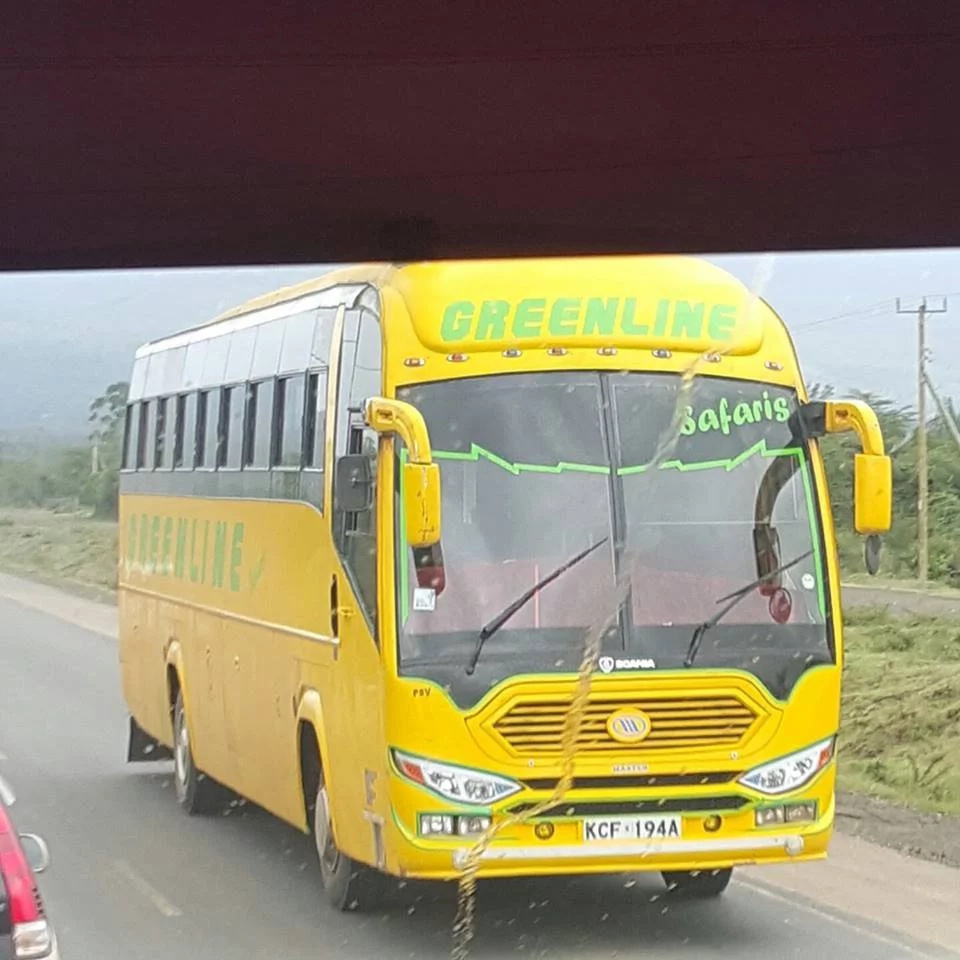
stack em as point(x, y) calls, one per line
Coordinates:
point(944, 413)
point(922, 311)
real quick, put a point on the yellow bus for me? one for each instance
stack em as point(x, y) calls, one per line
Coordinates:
point(370, 523)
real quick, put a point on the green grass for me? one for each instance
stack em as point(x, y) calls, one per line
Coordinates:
point(900, 732)
point(69, 549)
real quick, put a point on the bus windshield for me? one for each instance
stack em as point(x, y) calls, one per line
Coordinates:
point(676, 480)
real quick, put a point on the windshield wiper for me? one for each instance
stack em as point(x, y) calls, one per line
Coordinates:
point(734, 599)
point(501, 618)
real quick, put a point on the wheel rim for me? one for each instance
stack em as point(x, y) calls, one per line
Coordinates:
point(181, 749)
point(323, 830)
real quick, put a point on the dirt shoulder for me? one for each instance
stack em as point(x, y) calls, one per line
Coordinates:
point(928, 836)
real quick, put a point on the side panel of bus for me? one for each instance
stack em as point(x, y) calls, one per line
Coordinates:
point(257, 603)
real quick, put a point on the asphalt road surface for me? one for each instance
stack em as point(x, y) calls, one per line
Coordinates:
point(133, 877)
point(900, 601)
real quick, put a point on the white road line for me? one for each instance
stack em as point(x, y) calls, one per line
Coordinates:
point(840, 921)
point(149, 891)
point(3, 756)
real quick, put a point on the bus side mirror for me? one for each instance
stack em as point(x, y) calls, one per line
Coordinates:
point(872, 469)
point(421, 503)
point(872, 493)
point(421, 476)
point(353, 483)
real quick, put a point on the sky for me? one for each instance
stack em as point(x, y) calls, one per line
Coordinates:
point(65, 336)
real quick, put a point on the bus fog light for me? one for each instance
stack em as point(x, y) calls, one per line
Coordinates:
point(800, 812)
point(472, 825)
point(544, 830)
point(436, 825)
point(769, 815)
point(712, 823)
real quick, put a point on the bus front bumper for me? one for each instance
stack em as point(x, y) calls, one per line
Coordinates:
point(518, 856)
point(679, 854)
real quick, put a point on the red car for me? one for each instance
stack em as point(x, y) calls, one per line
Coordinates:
point(30, 934)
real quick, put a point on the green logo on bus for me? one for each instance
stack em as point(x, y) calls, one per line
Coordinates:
point(538, 318)
point(205, 552)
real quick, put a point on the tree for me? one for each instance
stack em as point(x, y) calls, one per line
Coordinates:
point(107, 412)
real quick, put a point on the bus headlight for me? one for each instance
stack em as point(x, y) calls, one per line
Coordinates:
point(455, 783)
point(790, 772)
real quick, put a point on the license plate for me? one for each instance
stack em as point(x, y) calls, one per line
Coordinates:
point(606, 829)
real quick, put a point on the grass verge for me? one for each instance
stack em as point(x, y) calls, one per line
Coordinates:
point(900, 732)
point(65, 549)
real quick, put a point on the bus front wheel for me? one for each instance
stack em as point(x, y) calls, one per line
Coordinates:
point(697, 884)
point(196, 792)
point(348, 885)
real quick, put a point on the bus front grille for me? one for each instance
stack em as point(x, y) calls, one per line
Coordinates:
point(536, 727)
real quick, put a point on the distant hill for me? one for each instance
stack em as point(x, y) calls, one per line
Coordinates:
point(65, 336)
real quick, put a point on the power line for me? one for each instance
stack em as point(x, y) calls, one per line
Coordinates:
point(875, 309)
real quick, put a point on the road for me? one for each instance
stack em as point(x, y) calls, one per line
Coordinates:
point(900, 601)
point(133, 877)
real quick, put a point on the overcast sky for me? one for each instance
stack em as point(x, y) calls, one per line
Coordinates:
point(64, 336)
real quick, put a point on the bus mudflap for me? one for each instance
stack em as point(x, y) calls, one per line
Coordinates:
point(142, 748)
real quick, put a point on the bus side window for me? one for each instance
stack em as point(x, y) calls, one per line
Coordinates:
point(148, 440)
point(143, 414)
point(131, 430)
point(360, 378)
point(185, 439)
point(315, 424)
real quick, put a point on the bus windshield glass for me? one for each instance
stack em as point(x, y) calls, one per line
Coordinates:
point(685, 484)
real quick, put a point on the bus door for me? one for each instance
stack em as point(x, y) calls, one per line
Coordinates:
point(353, 702)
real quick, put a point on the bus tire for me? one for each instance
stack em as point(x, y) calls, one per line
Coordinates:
point(195, 791)
point(347, 885)
point(697, 884)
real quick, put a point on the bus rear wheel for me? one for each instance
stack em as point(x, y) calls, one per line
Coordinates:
point(347, 885)
point(697, 884)
point(196, 792)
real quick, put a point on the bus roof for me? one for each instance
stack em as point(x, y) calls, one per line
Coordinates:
point(486, 304)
